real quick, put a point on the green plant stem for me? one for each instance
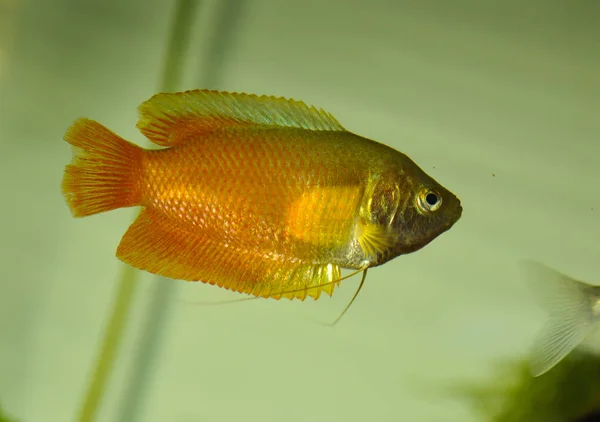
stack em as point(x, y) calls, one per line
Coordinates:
point(112, 337)
point(128, 280)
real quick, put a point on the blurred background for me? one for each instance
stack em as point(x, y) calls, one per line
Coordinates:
point(499, 101)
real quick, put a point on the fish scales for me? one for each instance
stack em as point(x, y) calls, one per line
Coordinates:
point(260, 195)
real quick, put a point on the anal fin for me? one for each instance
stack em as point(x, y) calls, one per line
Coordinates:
point(155, 244)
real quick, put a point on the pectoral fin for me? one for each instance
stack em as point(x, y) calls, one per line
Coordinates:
point(373, 239)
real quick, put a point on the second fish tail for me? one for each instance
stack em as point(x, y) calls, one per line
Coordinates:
point(571, 305)
point(105, 171)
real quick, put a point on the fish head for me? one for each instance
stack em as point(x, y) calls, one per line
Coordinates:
point(423, 210)
point(430, 210)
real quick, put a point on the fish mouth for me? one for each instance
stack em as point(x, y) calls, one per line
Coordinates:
point(455, 216)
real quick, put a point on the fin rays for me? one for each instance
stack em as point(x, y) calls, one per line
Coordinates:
point(167, 119)
point(373, 239)
point(557, 339)
point(570, 305)
point(155, 245)
point(103, 173)
point(325, 286)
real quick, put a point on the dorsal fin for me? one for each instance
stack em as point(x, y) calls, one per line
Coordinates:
point(168, 118)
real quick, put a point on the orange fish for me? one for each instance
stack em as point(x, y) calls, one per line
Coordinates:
point(259, 195)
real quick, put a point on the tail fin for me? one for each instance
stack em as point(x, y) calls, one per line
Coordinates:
point(570, 304)
point(104, 172)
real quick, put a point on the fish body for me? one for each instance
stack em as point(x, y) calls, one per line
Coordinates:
point(260, 195)
point(574, 312)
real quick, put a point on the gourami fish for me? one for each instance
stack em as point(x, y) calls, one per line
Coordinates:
point(260, 195)
point(574, 309)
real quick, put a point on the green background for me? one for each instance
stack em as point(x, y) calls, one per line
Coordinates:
point(499, 101)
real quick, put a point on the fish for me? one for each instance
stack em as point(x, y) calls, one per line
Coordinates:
point(573, 307)
point(260, 195)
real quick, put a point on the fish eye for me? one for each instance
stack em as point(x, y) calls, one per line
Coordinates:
point(432, 199)
point(429, 201)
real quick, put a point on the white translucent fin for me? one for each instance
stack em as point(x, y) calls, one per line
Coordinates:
point(570, 304)
point(168, 119)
